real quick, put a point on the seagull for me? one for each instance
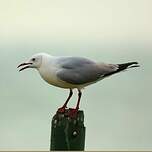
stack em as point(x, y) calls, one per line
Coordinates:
point(72, 73)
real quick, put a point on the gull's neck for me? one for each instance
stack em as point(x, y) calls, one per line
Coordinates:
point(47, 60)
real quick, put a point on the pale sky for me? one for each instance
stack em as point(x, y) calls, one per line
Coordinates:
point(76, 20)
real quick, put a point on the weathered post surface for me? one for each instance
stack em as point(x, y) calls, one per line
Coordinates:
point(68, 133)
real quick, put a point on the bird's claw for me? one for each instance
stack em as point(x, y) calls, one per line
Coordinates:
point(61, 110)
point(73, 112)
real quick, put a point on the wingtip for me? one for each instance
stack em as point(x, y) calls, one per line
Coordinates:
point(134, 64)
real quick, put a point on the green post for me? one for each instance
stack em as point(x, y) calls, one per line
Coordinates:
point(68, 133)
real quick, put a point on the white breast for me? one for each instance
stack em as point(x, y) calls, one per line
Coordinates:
point(48, 73)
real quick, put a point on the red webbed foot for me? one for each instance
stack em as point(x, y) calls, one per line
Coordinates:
point(61, 110)
point(73, 112)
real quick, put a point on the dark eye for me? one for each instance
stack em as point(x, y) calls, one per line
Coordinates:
point(33, 59)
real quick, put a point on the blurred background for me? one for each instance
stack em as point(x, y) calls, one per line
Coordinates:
point(117, 109)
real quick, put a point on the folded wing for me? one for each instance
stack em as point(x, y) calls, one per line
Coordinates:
point(77, 70)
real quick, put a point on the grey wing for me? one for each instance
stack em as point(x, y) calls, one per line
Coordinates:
point(76, 70)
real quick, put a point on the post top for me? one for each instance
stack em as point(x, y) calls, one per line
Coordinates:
point(60, 118)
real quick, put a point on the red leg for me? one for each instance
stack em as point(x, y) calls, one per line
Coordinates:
point(79, 98)
point(73, 112)
point(62, 109)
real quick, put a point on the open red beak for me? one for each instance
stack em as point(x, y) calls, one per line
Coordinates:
point(25, 67)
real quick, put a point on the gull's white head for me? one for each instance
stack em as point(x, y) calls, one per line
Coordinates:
point(34, 62)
